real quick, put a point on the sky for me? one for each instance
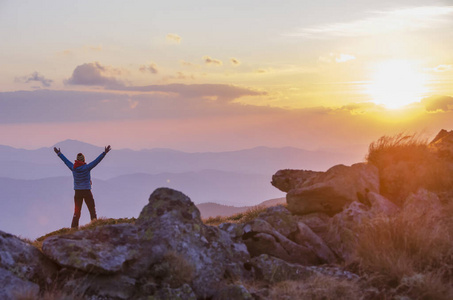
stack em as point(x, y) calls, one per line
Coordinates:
point(221, 75)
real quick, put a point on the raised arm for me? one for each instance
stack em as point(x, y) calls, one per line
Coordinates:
point(64, 159)
point(95, 162)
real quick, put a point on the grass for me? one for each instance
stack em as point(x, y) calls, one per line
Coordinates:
point(406, 163)
point(413, 255)
point(93, 224)
point(250, 214)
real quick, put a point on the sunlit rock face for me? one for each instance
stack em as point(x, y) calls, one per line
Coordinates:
point(442, 144)
point(330, 191)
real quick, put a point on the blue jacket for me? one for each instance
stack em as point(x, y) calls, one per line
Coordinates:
point(82, 177)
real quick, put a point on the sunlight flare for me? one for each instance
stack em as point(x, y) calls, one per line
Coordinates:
point(397, 83)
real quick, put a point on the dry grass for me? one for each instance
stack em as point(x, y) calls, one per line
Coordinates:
point(317, 287)
point(393, 249)
point(406, 164)
point(249, 215)
point(93, 224)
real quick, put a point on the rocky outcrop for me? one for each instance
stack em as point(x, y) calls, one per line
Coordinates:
point(22, 267)
point(329, 192)
point(286, 180)
point(169, 248)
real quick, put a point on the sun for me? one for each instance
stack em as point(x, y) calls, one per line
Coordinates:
point(397, 83)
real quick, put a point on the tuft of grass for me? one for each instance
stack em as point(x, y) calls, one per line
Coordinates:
point(400, 147)
point(402, 246)
point(405, 164)
point(244, 217)
point(93, 224)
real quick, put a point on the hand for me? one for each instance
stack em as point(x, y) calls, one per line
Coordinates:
point(107, 149)
point(57, 150)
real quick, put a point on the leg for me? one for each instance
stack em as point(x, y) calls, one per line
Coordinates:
point(89, 200)
point(78, 200)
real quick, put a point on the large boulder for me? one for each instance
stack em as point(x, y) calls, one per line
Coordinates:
point(278, 233)
point(331, 191)
point(167, 248)
point(22, 264)
point(286, 180)
point(14, 287)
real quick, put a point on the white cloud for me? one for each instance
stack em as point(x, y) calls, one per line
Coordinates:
point(381, 22)
point(336, 57)
point(174, 37)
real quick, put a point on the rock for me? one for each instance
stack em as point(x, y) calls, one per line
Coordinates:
point(261, 238)
point(280, 219)
point(185, 292)
point(102, 250)
point(14, 287)
point(318, 222)
point(236, 292)
point(172, 222)
point(425, 204)
point(381, 205)
point(167, 250)
point(286, 180)
point(25, 261)
point(271, 269)
point(329, 192)
point(306, 237)
point(342, 230)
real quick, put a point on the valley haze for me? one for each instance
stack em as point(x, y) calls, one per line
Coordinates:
point(37, 189)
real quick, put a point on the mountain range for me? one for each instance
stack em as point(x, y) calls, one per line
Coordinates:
point(37, 189)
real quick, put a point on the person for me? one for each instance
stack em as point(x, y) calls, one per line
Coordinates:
point(82, 183)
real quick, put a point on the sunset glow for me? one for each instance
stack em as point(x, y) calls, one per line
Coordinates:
point(396, 84)
point(232, 75)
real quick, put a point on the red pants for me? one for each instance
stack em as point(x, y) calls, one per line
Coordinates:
point(79, 196)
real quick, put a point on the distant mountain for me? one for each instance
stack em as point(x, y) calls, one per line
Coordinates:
point(42, 163)
point(214, 209)
point(31, 208)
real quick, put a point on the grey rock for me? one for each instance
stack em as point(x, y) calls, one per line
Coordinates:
point(25, 261)
point(329, 192)
point(13, 287)
point(236, 292)
point(261, 238)
point(102, 250)
point(272, 269)
point(184, 292)
point(280, 219)
point(318, 222)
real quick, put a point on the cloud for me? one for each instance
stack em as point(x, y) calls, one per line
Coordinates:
point(174, 38)
point(159, 102)
point(188, 64)
point(152, 68)
point(235, 61)
point(441, 68)
point(35, 77)
point(438, 103)
point(212, 61)
point(94, 74)
point(336, 57)
point(222, 92)
point(94, 48)
point(382, 22)
point(261, 71)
